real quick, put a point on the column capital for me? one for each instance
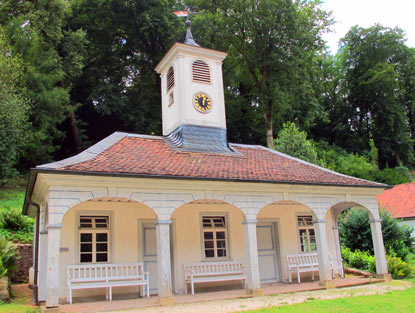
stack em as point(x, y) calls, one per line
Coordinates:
point(162, 222)
point(50, 226)
point(375, 220)
point(319, 220)
point(250, 221)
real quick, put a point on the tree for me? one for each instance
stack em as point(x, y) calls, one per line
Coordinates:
point(355, 232)
point(272, 43)
point(52, 56)
point(294, 142)
point(13, 111)
point(373, 60)
point(119, 89)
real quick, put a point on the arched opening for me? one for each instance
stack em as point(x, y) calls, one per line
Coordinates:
point(337, 212)
point(204, 231)
point(284, 227)
point(107, 230)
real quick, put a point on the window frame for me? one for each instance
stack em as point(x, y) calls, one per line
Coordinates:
point(307, 228)
point(79, 231)
point(227, 228)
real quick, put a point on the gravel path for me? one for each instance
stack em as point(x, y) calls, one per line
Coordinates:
point(238, 305)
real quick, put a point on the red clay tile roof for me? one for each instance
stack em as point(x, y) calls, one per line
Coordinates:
point(399, 201)
point(145, 155)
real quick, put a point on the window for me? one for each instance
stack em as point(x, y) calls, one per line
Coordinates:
point(215, 236)
point(306, 233)
point(170, 78)
point(200, 71)
point(93, 239)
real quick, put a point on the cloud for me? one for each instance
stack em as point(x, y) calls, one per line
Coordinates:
point(366, 13)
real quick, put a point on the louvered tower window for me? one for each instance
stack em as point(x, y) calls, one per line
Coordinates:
point(200, 71)
point(170, 78)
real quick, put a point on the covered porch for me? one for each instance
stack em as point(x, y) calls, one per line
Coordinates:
point(95, 304)
point(167, 229)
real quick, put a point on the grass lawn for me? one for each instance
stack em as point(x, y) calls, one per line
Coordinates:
point(393, 302)
point(11, 198)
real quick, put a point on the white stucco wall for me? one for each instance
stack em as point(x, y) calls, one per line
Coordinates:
point(124, 246)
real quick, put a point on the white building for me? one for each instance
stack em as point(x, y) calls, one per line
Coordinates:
point(188, 196)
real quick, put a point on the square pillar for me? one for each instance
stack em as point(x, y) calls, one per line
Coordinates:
point(163, 262)
point(323, 253)
point(52, 286)
point(378, 247)
point(254, 281)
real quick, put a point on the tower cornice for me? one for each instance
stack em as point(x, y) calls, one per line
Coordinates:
point(179, 48)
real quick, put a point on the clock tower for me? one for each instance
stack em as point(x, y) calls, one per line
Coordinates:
point(193, 104)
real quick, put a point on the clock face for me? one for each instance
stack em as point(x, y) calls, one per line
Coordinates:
point(202, 102)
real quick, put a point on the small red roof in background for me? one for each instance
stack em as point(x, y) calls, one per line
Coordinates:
point(399, 201)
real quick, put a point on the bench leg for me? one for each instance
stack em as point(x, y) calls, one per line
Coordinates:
point(289, 278)
point(185, 287)
point(70, 295)
point(312, 276)
point(193, 288)
point(110, 289)
point(298, 277)
point(148, 290)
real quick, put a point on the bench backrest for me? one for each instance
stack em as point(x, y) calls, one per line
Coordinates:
point(105, 272)
point(302, 259)
point(213, 268)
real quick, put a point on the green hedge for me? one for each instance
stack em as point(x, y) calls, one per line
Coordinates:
point(362, 260)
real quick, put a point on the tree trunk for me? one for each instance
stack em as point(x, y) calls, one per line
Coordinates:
point(75, 130)
point(269, 125)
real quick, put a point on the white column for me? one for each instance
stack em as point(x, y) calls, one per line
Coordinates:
point(377, 237)
point(254, 281)
point(163, 262)
point(322, 252)
point(52, 288)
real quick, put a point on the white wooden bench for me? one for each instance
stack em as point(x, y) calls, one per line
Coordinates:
point(336, 264)
point(93, 276)
point(212, 272)
point(302, 263)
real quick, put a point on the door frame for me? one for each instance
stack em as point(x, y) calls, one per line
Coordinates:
point(277, 239)
point(141, 239)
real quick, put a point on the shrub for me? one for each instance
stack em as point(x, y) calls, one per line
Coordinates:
point(13, 219)
point(398, 268)
point(8, 254)
point(359, 259)
point(3, 270)
point(20, 236)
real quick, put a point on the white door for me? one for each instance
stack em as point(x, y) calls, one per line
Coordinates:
point(267, 252)
point(150, 254)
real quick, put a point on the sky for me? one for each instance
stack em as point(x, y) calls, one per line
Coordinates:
point(366, 13)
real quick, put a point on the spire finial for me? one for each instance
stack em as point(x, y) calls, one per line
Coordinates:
point(189, 37)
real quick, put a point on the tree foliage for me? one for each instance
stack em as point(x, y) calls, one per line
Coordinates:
point(374, 60)
point(87, 68)
point(355, 232)
point(13, 111)
point(294, 142)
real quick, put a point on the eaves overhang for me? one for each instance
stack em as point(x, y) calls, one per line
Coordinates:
point(35, 171)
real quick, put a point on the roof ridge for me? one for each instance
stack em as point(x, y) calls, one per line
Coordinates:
point(89, 153)
point(317, 166)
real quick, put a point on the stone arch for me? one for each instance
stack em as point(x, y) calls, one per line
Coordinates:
point(375, 224)
point(267, 209)
point(188, 235)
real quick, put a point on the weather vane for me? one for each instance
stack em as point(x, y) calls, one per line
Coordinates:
point(189, 37)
